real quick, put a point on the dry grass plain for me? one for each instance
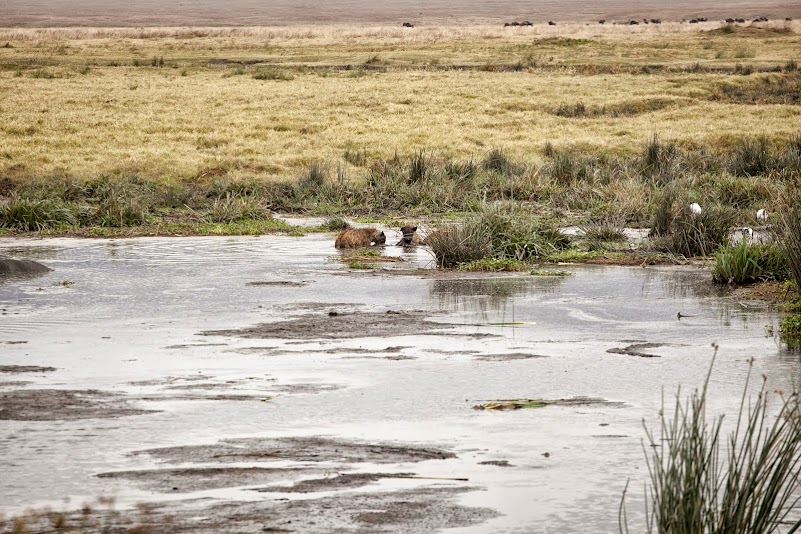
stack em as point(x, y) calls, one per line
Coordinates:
point(266, 102)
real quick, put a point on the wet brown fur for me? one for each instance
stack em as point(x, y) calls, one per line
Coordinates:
point(410, 237)
point(359, 237)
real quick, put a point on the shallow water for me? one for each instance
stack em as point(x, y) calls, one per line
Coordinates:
point(129, 316)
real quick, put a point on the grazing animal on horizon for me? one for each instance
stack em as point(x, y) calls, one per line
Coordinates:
point(360, 237)
point(408, 25)
point(551, 23)
point(409, 237)
point(695, 208)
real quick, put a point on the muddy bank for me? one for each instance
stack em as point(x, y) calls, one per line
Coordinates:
point(299, 449)
point(345, 325)
point(63, 405)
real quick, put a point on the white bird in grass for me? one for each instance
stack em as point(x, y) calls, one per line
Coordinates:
point(762, 215)
point(695, 208)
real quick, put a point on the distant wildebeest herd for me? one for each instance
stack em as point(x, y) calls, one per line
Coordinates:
point(373, 237)
point(634, 22)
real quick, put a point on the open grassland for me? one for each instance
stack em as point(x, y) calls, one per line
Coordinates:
point(221, 124)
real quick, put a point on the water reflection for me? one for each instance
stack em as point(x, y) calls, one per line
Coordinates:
point(486, 295)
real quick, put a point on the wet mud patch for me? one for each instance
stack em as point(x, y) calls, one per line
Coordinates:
point(333, 483)
point(508, 357)
point(299, 449)
point(63, 405)
point(13, 369)
point(277, 283)
point(497, 463)
point(518, 404)
point(201, 479)
point(346, 325)
point(638, 349)
point(200, 388)
point(419, 510)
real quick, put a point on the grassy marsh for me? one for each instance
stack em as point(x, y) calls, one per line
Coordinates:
point(118, 128)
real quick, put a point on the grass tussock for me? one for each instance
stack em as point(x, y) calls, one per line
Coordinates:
point(679, 230)
point(747, 263)
point(789, 232)
point(702, 480)
point(784, 88)
point(496, 231)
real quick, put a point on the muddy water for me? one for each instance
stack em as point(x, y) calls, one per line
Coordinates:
point(160, 322)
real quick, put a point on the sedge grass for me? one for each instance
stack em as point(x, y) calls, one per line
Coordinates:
point(702, 480)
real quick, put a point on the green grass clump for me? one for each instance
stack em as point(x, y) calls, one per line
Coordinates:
point(272, 75)
point(789, 232)
point(790, 330)
point(748, 263)
point(605, 229)
point(704, 481)
point(494, 265)
point(33, 215)
point(361, 265)
point(496, 231)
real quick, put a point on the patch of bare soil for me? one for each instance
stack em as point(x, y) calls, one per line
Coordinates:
point(25, 369)
point(345, 325)
point(207, 478)
point(638, 349)
point(63, 405)
point(771, 292)
point(299, 449)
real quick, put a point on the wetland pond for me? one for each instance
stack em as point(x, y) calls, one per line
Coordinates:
point(255, 384)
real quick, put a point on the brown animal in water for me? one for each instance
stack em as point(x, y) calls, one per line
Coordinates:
point(359, 237)
point(410, 237)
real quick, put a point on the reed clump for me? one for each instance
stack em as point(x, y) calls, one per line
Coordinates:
point(703, 480)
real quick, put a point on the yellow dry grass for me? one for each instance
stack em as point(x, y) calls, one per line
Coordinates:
point(86, 102)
